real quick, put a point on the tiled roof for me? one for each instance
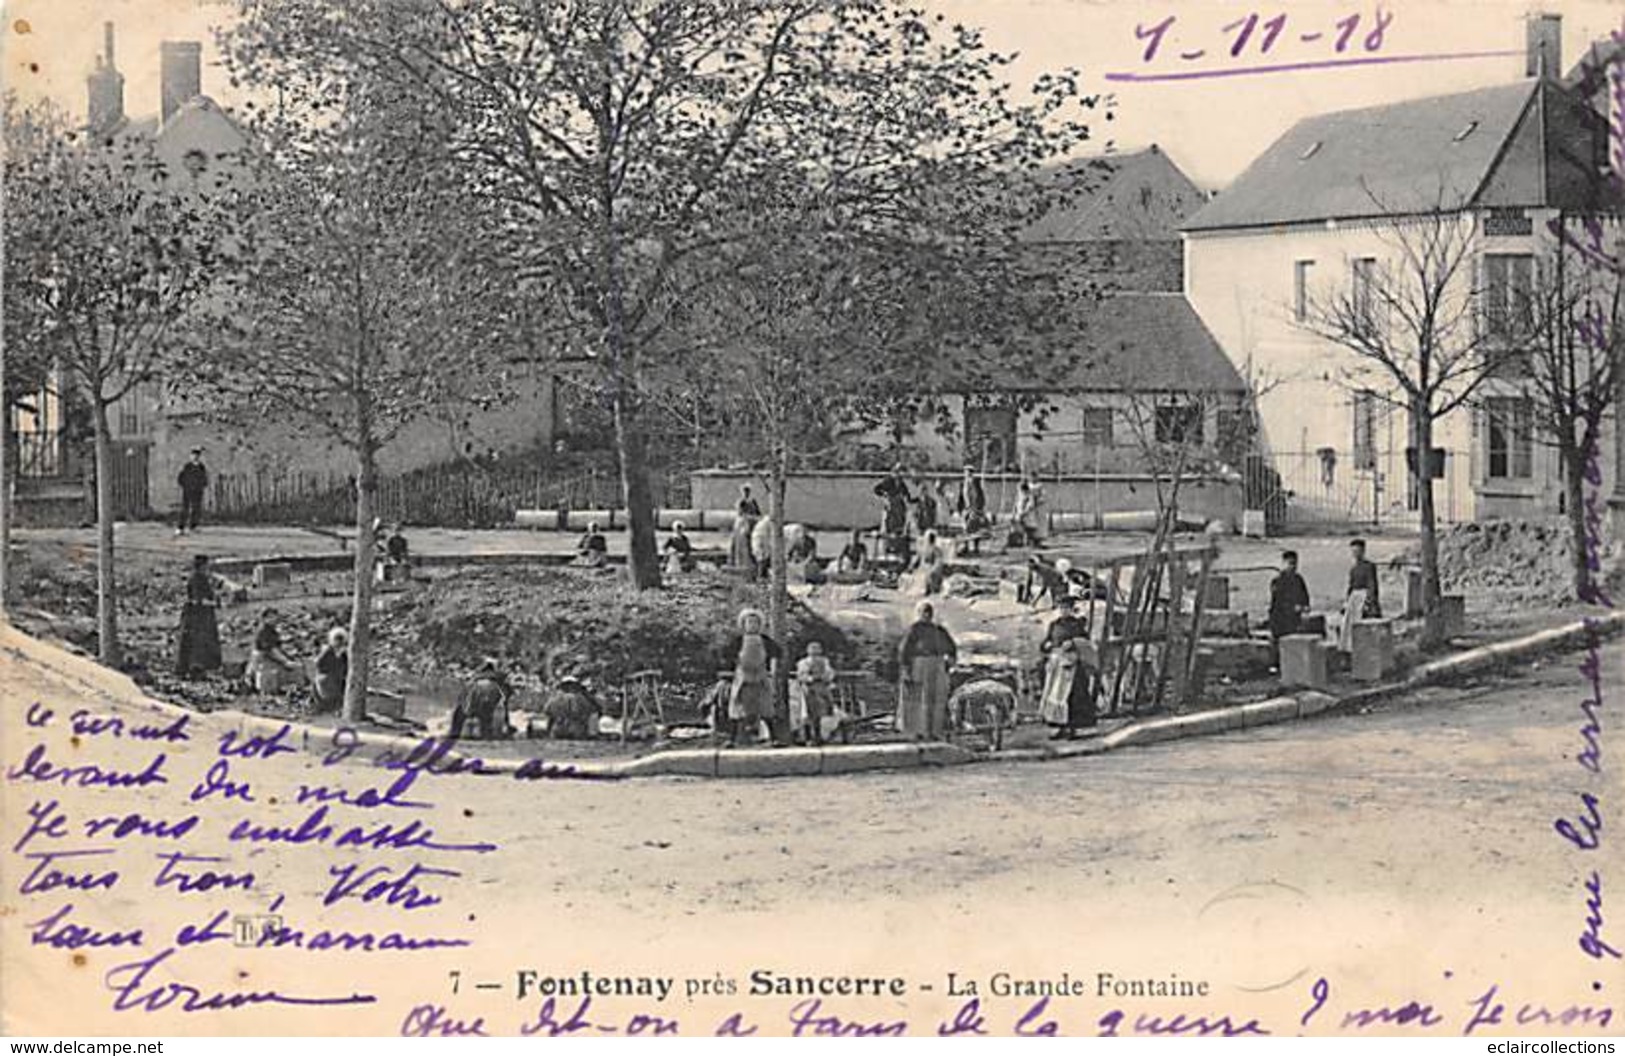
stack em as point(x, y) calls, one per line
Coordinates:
point(1403, 157)
point(1140, 342)
point(197, 108)
point(1589, 74)
point(1142, 196)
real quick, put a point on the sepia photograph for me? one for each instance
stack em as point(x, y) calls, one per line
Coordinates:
point(812, 518)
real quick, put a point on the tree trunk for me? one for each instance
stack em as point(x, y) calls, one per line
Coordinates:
point(106, 583)
point(1574, 487)
point(366, 503)
point(1432, 617)
point(778, 580)
point(643, 558)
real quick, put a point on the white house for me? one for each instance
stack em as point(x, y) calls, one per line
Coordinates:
point(1316, 213)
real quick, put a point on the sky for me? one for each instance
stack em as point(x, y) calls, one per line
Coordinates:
point(1212, 127)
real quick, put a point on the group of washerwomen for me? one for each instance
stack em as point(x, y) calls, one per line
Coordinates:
point(914, 513)
point(482, 710)
point(271, 667)
point(746, 549)
point(926, 658)
point(911, 518)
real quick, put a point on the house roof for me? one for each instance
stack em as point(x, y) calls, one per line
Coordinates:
point(1142, 196)
point(1134, 342)
point(1401, 158)
point(189, 119)
point(1589, 76)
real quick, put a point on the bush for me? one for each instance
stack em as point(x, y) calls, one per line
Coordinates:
point(535, 619)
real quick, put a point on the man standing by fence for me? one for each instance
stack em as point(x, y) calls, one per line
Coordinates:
point(193, 481)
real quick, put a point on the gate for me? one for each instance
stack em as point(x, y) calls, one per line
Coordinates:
point(131, 459)
point(1330, 488)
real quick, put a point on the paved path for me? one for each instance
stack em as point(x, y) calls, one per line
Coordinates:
point(1404, 854)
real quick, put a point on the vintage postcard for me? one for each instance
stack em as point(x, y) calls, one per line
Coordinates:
point(793, 518)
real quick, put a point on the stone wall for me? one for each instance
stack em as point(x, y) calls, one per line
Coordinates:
point(846, 500)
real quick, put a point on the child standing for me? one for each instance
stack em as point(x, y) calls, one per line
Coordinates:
point(816, 680)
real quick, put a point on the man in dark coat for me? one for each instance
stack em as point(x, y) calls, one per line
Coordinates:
point(396, 548)
point(193, 481)
point(1363, 576)
point(1289, 598)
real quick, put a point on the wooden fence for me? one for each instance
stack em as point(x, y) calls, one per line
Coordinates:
point(455, 495)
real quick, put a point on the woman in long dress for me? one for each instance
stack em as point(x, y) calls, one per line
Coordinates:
point(1070, 678)
point(746, 513)
point(750, 699)
point(199, 648)
point(927, 652)
point(894, 494)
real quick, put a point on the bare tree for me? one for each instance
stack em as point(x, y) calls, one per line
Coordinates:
point(109, 258)
point(840, 316)
point(1572, 351)
point(620, 136)
point(1412, 320)
point(1171, 433)
point(370, 299)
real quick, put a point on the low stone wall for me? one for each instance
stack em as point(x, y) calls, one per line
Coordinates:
point(1074, 503)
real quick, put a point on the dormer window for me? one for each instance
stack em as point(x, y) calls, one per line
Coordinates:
point(195, 161)
point(1467, 131)
point(1310, 151)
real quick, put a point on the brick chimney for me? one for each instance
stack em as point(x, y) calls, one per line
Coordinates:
point(182, 62)
point(1543, 48)
point(106, 86)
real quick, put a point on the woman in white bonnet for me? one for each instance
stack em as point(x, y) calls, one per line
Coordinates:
point(752, 655)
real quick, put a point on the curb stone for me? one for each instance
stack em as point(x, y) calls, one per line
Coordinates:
point(807, 762)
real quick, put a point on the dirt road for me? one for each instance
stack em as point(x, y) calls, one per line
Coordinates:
point(1403, 855)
